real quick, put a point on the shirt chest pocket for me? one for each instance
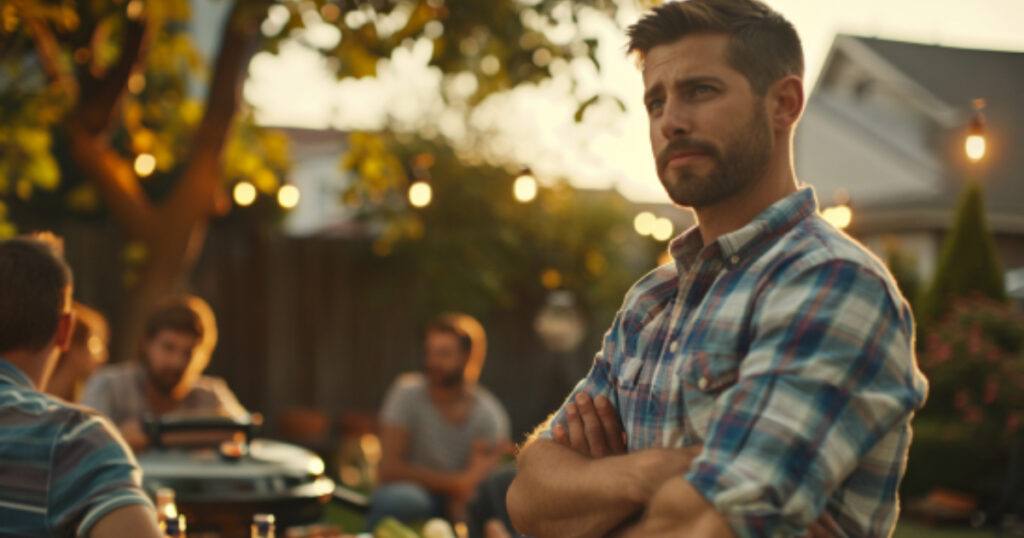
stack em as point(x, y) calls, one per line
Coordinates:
point(704, 376)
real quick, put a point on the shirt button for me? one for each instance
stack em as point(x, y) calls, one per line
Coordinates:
point(735, 259)
point(673, 347)
point(702, 383)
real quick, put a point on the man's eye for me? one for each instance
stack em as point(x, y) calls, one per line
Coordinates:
point(654, 104)
point(702, 90)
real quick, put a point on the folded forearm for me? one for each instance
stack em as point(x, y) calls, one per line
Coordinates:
point(559, 492)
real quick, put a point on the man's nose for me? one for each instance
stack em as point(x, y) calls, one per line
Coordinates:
point(676, 119)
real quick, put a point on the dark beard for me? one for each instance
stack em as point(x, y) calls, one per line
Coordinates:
point(743, 162)
point(450, 381)
point(156, 381)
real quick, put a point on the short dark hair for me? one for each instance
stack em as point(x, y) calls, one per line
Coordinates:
point(175, 315)
point(33, 284)
point(763, 45)
point(445, 325)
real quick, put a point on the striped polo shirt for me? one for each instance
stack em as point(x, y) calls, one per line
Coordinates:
point(62, 467)
point(786, 350)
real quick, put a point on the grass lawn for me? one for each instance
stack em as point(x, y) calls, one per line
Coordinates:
point(351, 521)
point(906, 529)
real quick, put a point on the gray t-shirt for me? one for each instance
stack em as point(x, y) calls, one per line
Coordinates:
point(118, 391)
point(435, 442)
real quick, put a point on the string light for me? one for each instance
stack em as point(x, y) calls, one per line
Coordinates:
point(244, 193)
point(288, 196)
point(420, 194)
point(525, 188)
point(145, 164)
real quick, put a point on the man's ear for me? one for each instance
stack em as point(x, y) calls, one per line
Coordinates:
point(786, 102)
point(65, 328)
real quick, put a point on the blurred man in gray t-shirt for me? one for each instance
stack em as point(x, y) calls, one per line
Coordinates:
point(441, 433)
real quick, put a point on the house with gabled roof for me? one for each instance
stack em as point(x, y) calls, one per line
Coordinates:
point(886, 123)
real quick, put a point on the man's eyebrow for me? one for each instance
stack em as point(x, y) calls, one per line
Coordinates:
point(699, 79)
point(653, 90)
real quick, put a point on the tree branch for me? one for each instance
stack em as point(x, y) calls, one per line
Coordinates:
point(101, 94)
point(114, 177)
point(200, 185)
point(48, 49)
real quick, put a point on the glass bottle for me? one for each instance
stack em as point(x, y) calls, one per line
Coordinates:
point(262, 526)
point(165, 507)
point(174, 527)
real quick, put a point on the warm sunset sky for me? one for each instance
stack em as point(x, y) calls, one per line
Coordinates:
point(610, 148)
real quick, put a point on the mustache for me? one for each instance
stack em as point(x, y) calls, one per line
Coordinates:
point(685, 144)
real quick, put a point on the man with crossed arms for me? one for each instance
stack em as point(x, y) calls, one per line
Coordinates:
point(765, 378)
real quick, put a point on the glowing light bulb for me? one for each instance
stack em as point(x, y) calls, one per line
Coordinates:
point(839, 216)
point(525, 188)
point(420, 194)
point(145, 164)
point(244, 193)
point(288, 196)
point(644, 223)
point(975, 147)
point(662, 229)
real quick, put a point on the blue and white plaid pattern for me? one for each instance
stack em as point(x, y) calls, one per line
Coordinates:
point(786, 350)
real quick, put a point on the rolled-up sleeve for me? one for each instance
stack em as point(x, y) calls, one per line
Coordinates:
point(829, 373)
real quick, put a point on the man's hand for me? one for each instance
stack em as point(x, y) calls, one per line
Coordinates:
point(485, 456)
point(592, 427)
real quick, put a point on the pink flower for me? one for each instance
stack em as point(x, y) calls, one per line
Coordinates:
point(960, 399)
point(975, 340)
point(991, 390)
point(972, 414)
point(1012, 422)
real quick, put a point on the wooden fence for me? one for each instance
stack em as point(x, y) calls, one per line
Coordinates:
point(303, 322)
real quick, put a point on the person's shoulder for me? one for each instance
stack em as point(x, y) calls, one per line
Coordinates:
point(407, 387)
point(410, 381)
point(488, 399)
point(815, 245)
point(39, 405)
point(652, 289)
point(65, 420)
point(111, 372)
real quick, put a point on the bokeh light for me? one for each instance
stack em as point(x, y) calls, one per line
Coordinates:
point(525, 188)
point(662, 229)
point(644, 223)
point(420, 194)
point(145, 164)
point(551, 278)
point(839, 216)
point(288, 196)
point(244, 193)
point(975, 147)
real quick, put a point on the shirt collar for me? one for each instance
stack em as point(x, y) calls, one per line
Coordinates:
point(734, 246)
point(11, 374)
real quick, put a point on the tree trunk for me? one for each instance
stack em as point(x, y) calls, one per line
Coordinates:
point(173, 232)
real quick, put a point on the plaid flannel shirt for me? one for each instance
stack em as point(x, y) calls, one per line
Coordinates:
point(786, 350)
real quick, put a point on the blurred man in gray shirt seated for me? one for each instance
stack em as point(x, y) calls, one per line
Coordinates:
point(441, 433)
point(178, 339)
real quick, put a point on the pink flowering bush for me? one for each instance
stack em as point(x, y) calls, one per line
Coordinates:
point(974, 360)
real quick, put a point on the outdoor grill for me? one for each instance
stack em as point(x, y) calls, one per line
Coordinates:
point(219, 488)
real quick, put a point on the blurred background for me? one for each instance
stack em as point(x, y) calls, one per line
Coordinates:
point(330, 173)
